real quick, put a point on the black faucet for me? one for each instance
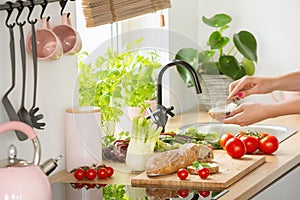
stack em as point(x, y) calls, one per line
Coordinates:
point(160, 116)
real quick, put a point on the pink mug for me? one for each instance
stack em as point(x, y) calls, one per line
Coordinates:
point(69, 37)
point(47, 43)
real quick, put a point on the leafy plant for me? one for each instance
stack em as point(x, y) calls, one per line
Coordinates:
point(116, 80)
point(215, 60)
point(138, 83)
point(113, 192)
point(99, 86)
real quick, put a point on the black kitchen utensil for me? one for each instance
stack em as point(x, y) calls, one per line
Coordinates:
point(33, 110)
point(23, 113)
point(12, 114)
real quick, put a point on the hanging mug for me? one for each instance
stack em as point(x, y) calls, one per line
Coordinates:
point(69, 37)
point(47, 43)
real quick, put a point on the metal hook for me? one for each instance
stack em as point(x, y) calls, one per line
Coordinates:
point(20, 9)
point(30, 7)
point(9, 12)
point(44, 5)
point(63, 4)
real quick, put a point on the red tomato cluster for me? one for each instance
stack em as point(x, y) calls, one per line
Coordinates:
point(242, 143)
point(183, 173)
point(91, 173)
point(87, 185)
point(185, 193)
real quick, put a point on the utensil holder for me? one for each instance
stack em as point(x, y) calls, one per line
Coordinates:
point(83, 136)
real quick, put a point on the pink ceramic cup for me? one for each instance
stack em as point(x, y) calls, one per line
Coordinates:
point(47, 43)
point(69, 37)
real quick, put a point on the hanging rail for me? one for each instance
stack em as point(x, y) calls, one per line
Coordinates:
point(28, 3)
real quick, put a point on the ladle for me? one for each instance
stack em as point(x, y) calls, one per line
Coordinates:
point(12, 114)
point(23, 113)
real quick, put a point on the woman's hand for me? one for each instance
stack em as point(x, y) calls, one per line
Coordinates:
point(249, 113)
point(250, 85)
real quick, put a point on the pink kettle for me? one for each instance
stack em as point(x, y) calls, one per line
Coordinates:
point(20, 179)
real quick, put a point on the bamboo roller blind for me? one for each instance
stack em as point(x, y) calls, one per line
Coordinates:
point(100, 12)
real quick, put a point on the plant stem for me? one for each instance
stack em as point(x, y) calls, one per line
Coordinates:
point(230, 50)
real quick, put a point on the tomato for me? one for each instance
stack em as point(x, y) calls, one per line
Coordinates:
point(102, 173)
point(183, 193)
point(79, 174)
point(91, 174)
point(204, 194)
point(110, 171)
point(268, 144)
point(263, 134)
point(235, 147)
point(224, 138)
point(240, 134)
point(77, 185)
point(182, 173)
point(250, 142)
point(203, 172)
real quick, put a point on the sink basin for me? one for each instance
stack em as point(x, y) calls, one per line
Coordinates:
point(281, 132)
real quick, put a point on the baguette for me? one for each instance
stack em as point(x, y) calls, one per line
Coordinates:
point(171, 161)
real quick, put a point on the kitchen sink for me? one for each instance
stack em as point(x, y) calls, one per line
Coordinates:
point(281, 132)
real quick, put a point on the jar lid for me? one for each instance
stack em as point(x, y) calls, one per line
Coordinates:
point(83, 109)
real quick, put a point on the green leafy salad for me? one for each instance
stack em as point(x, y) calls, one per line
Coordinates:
point(174, 139)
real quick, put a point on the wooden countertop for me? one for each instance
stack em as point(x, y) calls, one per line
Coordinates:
point(284, 159)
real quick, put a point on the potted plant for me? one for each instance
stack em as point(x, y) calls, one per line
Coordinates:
point(99, 86)
point(116, 80)
point(224, 62)
point(139, 83)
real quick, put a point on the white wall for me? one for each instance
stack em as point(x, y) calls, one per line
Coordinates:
point(274, 24)
point(56, 84)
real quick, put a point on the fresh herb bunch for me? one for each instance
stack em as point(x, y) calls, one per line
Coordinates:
point(216, 60)
point(113, 192)
point(99, 86)
point(138, 83)
point(116, 80)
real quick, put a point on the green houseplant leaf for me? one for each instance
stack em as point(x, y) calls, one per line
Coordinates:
point(246, 44)
point(248, 66)
point(217, 20)
point(190, 56)
point(217, 41)
point(216, 60)
point(229, 66)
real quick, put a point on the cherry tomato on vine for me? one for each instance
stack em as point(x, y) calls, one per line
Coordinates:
point(235, 147)
point(240, 134)
point(204, 194)
point(182, 173)
point(263, 134)
point(79, 174)
point(203, 173)
point(78, 185)
point(251, 143)
point(183, 193)
point(91, 174)
point(110, 171)
point(224, 138)
point(102, 173)
point(268, 144)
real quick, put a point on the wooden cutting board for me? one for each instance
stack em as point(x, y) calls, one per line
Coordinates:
point(231, 170)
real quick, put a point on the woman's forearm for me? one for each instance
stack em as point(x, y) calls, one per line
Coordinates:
point(286, 107)
point(287, 82)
